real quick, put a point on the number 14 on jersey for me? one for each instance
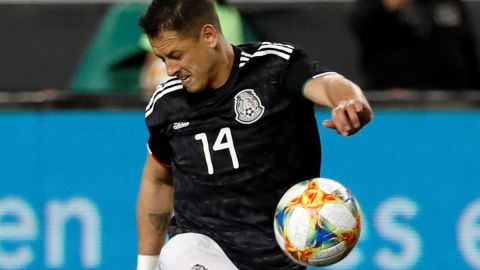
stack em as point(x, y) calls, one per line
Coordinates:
point(223, 141)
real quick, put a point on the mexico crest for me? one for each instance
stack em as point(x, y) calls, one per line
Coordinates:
point(248, 107)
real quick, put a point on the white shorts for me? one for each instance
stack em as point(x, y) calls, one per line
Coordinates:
point(193, 251)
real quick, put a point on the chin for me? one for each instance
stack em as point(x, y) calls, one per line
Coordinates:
point(194, 88)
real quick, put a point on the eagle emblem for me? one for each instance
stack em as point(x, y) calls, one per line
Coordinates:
point(248, 107)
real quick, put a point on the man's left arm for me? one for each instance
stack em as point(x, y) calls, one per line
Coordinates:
point(350, 108)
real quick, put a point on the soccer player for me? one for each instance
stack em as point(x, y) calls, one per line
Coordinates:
point(229, 134)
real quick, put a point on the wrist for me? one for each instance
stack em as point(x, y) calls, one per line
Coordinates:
point(147, 262)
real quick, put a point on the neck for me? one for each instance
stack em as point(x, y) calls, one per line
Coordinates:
point(224, 65)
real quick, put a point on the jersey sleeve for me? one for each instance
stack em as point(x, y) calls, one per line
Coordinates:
point(159, 147)
point(299, 70)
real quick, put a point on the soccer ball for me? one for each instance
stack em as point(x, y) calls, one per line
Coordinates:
point(317, 222)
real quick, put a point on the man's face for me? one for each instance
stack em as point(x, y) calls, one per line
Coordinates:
point(191, 59)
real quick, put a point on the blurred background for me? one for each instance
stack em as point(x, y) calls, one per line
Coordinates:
point(73, 139)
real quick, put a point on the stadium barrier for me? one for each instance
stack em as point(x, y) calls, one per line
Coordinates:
point(69, 182)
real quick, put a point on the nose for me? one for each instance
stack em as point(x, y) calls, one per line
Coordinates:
point(172, 67)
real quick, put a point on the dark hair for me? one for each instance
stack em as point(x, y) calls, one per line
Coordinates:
point(186, 17)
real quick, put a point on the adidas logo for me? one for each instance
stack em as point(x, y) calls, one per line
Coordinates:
point(179, 125)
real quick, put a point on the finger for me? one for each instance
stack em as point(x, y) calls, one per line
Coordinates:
point(341, 121)
point(358, 106)
point(329, 124)
point(353, 116)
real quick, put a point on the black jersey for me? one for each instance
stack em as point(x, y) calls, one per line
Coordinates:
point(235, 150)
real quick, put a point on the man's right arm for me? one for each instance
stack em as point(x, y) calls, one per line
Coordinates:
point(154, 207)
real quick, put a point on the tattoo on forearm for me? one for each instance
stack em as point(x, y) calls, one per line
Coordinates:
point(160, 221)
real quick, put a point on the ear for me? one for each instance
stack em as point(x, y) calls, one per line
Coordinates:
point(210, 35)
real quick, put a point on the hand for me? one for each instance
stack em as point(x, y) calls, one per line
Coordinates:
point(349, 117)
